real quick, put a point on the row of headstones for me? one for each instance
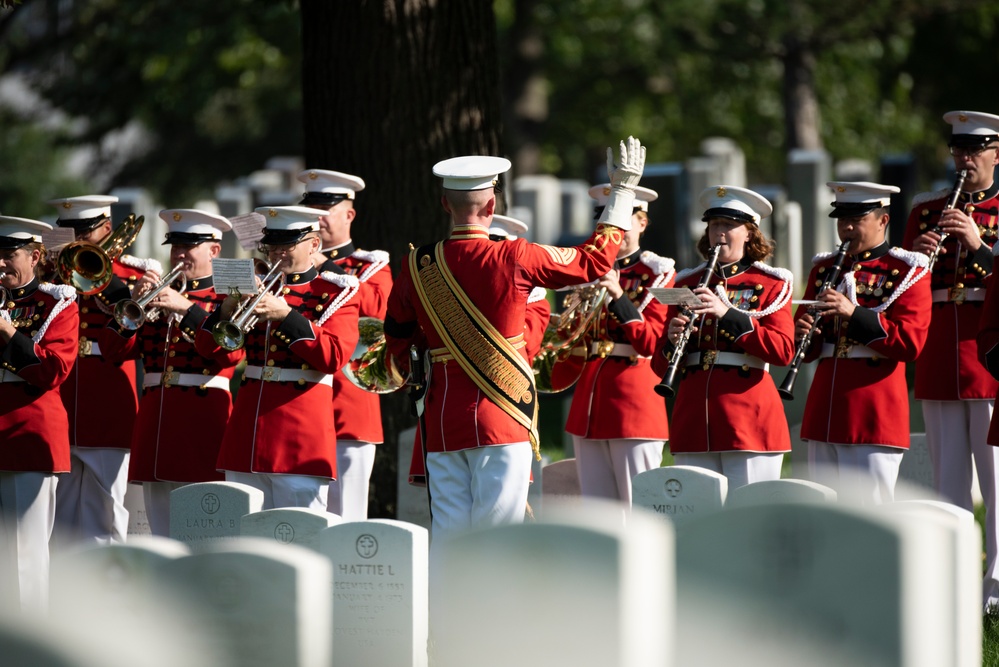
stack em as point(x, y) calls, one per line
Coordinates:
point(782, 582)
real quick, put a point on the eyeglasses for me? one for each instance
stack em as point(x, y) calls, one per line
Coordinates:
point(970, 152)
point(282, 247)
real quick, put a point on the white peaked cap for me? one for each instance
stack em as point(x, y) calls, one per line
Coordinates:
point(506, 226)
point(81, 208)
point(735, 202)
point(15, 232)
point(471, 172)
point(331, 182)
point(288, 224)
point(643, 196)
point(859, 197)
point(195, 222)
point(972, 122)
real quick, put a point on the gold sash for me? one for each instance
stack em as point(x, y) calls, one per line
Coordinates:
point(487, 357)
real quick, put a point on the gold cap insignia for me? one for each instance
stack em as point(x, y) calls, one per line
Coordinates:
point(963, 118)
point(313, 175)
point(67, 204)
point(721, 192)
point(840, 188)
point(607, 192)
point(272, 213)
point(495, 181)
point(177, 217)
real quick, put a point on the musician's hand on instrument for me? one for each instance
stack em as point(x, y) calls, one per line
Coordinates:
point(172, 301)
point(926, 243)
point(961, 226)
point(710, 303)
point(834, 304)
point(148, 281)
point(675, 328)
point(630, 164)
point(803, 325)
point(229, 304)
point(272, 308)
point(612, 282)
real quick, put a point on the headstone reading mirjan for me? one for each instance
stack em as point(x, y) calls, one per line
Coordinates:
point(679, 493)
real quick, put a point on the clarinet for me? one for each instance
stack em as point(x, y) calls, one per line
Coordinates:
point(665, 388)
point(786, 389)
point(951, 203)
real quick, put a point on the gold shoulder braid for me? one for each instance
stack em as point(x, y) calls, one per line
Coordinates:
point(490, 360)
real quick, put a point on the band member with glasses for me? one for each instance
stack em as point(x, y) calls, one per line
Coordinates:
point(281, 437)
point(955, 389)
point(357, 413)
point(39, 325)
point(179, 385)
point(100, 396)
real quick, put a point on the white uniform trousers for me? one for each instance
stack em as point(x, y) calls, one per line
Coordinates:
point(739, 467)
point(348, 495)
point(863, 473)
point(157, 498)
point(90, 500)
point(956, 432)
point(606, 467)
point(286, 490)
point(27, 515)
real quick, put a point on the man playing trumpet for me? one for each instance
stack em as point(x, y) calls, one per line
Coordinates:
point(281, 437)
point(179, 384)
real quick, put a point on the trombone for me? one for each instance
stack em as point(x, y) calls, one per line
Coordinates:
point(131, 314)
point(88, 267)
point(231, 334)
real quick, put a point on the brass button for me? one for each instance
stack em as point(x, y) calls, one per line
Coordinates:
point(270, 362)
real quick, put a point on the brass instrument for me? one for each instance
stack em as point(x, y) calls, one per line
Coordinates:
point(88, 267)
point(665, 388)
point(231, 335)
point(951, 203)
point(131, 314)
point(564, 348)
point(5, 297)
point(786, 389)
point(368, 368)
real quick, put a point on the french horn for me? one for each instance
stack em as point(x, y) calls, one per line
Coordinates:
point(368, 368)
point(565, 346)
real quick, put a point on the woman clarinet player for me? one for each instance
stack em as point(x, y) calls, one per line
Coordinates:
point(728, 416)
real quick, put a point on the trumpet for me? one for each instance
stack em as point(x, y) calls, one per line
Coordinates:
point(665, 388)
point(131, 314)
point(88, 267)
point(951, 203)
point(231, 335)
point(786, 389)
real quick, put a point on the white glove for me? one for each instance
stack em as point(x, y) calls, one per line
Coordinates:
point(623, 178)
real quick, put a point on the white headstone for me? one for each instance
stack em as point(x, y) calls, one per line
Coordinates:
point(780, 491)
point(577, 207)
point(731, 157)
point(534, 492)
point(208, 512)
point(135, 503)
point(543, 195)
point(288, 525)
point(917, 470)
point(267, 604)
point(411, 500)
point(679, 493)
point(578, 587)
point(816, 584)
point(380, 597)
point(559, 483)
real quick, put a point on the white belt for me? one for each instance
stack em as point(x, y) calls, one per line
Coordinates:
point(10, 376)
point(958, 294)
point(716, 358)
point(850, 352)
point(612, 349)
point(89, 348)
point(172, 379)
point(272, 374)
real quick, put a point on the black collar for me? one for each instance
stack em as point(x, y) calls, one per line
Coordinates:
point(339, 252)
point(633, 258)
point(735, 268)
point(873, 253)
point(25, 291)
point(201, 283)
point(981, 195)
point(301, 278)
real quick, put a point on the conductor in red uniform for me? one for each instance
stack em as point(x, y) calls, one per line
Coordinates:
point(179, 385)
point(874, 321)
point(728, 417)
point(281, 437)
point(617, 421)
point(38, 344)
point(468, 296)
point(955, 389)
point(100, 395)
point(357, 413)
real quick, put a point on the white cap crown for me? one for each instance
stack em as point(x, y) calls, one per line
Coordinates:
point(16, 232)
point(503, 225)
point(331, 182)
point(193, 223)
point(82, 208)
point(471, 172)
point(730, 201)
point(972, 123)
point(601, 193)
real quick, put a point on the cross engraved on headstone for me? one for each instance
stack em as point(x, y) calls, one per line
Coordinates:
point(210, 503)
point(367, 546)
point(284, 533)
point(673, 488)
point(792, 547)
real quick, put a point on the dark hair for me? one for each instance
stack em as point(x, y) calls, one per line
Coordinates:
point(758, 248)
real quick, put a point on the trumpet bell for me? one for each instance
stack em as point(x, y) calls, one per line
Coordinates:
point(129, 315)
point(556, 370)
point(368, 369)
point(87, 267)
point(228, 336)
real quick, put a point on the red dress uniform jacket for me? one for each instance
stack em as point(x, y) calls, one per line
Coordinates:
point(858, 395)
point(537, 315)
point(498, 278)
point(100, 396)
point(730, 403)
point(34, 430)
point(282, 423)
point(949, 369)
point(615, 396)
point(181, 422)
point(357, 413)
point(988, 344)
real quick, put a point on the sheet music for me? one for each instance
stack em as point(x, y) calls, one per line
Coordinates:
point(675, 296)
point(233, 273)
point(249, 229)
